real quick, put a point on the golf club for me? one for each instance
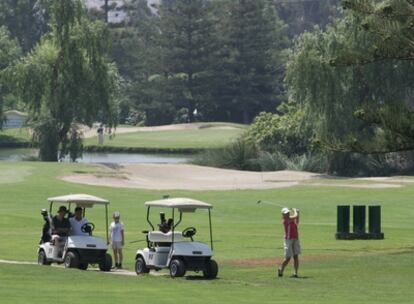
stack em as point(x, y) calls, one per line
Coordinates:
point(269, 203)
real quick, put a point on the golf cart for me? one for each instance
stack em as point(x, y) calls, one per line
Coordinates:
point(174, 249)
point(75, 251)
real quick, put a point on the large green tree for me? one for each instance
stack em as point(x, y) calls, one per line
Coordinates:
point(25, 19)
point(389, 27)
point(304, 15)
point(185, 44)
point(249, 65)
point(66, 79)
point(135, 49)
point(342, 95)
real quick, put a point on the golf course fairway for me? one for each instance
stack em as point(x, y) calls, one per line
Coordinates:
point(248, 245)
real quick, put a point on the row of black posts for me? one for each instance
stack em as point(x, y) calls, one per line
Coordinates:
point(359, 230)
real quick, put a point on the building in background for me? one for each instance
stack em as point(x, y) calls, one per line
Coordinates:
point(116, 13)
point(14, 119)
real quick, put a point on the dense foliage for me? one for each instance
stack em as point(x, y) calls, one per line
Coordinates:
point(9, 51)
point(25, 19)
point(66, 80)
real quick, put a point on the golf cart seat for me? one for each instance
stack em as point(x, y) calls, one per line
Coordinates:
point(160, 237)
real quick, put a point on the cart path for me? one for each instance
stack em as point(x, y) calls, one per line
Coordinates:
point(124, 272)
point(17, 262)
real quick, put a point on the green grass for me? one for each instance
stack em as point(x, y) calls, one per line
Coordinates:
point(334, 271)
point(209, 136)
point(15, 137)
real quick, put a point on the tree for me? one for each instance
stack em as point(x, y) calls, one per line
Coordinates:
point(249, 63)
point(9, 51)
point(388, 25)
point(304, 15)
point(25, 19)
point(339, 94)
point(135, 49)
point(286, 131)
point(66, 79)
point(185, 43)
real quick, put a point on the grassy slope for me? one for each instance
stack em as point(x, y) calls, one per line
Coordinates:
point(13, 137)
point(201, 138)
point(336, 271)
point(208, 136)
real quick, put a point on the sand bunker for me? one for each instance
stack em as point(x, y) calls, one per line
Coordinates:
point(192, 177)
point(188, 177)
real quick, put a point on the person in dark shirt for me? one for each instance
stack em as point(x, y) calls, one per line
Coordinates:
point(61, 225)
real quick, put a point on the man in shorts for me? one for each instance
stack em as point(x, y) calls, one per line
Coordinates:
point(291, 242)
point(117, 239)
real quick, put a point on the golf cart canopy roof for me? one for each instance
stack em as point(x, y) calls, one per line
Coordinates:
point(181, 203)
point(82, 200)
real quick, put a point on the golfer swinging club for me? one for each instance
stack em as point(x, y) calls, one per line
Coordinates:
point(291, 242)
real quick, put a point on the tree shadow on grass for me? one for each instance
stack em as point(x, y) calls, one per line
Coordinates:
point(199, 278)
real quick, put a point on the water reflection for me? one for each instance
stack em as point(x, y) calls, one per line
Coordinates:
point(21, 154)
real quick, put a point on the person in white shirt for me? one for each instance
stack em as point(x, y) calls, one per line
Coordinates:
point(77, 222)
point(117, 239)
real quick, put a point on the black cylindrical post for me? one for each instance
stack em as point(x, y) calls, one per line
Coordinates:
point(374, 219)
point(359, 219)
point(343, 219)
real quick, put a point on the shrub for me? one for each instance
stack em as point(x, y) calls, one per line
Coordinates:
point(286, 132)
point(311, 162)
point(240, 155)
point(271, 161)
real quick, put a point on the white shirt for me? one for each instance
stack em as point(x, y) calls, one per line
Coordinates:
point(116, 231)
point(76, 226)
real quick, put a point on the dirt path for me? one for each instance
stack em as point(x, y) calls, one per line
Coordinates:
point(123, 272)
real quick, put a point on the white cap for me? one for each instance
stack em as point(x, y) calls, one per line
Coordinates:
point(116, 214)
point(285, 210)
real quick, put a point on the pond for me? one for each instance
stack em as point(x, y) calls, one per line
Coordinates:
point(90, 158)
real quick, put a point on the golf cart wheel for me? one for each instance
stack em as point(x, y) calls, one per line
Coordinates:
point(211, 270)
point(177, 268)
point(106, 263)
point(83, 266)
point(140, 266)
point(41, 258)
point(71, 260)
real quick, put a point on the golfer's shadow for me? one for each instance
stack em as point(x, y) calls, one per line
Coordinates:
point(300, 278)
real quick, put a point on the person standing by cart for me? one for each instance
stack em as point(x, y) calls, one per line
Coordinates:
point(291, 241)
point(117, 239)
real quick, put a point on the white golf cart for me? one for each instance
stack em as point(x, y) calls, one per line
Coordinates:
point(75, 251)
point(174, 249)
